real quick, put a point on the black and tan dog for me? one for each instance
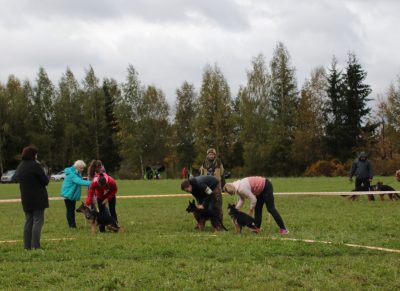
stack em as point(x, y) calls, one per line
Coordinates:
point(95, 218)
point(241, 219)
point(202, 215)
point(382, 187)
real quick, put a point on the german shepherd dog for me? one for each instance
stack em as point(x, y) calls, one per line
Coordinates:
point(202, 215)
point(95, 218)
point(382, 187)
point(241, 219)
point(362, 188)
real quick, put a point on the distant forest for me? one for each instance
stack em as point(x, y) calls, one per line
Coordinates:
point(269, 127)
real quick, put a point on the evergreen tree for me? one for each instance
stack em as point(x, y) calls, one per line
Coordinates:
point(335, 112)
point(155, 137)
point(184, 125)
point(110, 143)
point(127, 111)
point(307, 146)
point(214, 124)
point(94, 122)
point(255, 118)
point(356, 94)
point(284, 104)
point(42, 116)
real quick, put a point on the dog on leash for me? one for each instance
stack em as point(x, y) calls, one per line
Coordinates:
point(202, 215)
point(95, 218)
point(241, 219)
point(382, 187)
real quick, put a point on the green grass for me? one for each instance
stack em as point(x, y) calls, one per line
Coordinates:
point(160, 250)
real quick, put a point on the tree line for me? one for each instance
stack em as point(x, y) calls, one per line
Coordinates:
point(271, 127)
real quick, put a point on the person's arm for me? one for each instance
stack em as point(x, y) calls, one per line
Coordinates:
point(370, 170)
point(253, 200)
point(352, 170)
point(222, 176)
point(78, 180)
point(112, 190)
point(89, 197)
point(44, 180)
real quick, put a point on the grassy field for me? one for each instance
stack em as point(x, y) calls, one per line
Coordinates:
point(160, 250)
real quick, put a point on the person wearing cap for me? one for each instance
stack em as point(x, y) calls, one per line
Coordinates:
point(259, 191)
point(363, 171)
point(205, 189)
point(102, 191)
point(212, 166)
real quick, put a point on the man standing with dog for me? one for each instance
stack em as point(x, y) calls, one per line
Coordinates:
point(206, 190)
point(362, 169)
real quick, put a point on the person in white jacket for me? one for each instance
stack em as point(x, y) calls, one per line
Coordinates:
point(259, 191)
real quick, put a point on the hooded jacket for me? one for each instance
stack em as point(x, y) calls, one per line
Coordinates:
point(361, 168)
point(106, 192)
point(71, 187)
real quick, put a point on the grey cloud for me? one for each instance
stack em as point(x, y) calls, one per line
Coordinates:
point(224, 13)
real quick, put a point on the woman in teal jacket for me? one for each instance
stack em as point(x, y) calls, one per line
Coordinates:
point(71, 189)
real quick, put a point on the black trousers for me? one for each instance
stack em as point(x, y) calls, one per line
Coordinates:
point(34, 221)
point(70, 206)
point(110, 210)
point(267, 197)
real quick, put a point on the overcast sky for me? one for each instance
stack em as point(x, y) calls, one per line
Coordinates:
point(170, 41)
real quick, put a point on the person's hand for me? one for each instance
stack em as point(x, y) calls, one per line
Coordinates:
point(105, 201)
point(200, 206)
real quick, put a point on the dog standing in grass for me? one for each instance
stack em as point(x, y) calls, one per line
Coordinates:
point(95, 218)
point(202, 215)
point(206, 190)
point(241, 219)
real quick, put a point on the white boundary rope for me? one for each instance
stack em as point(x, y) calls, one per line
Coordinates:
point(45, 239)
point(189, 195)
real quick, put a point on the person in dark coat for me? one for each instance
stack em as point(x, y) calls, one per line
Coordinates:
point(206, 190)
point(32, 184)
point(362, 169)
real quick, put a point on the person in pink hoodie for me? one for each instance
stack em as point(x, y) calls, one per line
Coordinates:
point(259, 191)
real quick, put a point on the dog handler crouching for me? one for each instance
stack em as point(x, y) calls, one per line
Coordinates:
point(207, 191)
point(103, 191)
point(259, 190)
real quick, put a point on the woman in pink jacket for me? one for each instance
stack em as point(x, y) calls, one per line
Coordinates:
point(260, 191)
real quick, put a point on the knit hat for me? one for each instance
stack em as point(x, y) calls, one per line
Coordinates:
point(211, 150)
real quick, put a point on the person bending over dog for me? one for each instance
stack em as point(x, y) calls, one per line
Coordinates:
point(260, 191)
point(101, 192)
point(207, 191)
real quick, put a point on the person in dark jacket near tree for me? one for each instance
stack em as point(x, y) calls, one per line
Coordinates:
point(362, 169)
point(32, 184)
point(206, 190)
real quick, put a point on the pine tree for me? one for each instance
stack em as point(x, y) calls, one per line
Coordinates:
point(308, 136)
point(184, 125)
point(284, 104)
point(335, 112)
point(109, 149)
point(356, 94)
point(214, 124)
point(255, 118)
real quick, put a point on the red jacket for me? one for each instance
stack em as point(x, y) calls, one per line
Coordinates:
point(107, 192)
